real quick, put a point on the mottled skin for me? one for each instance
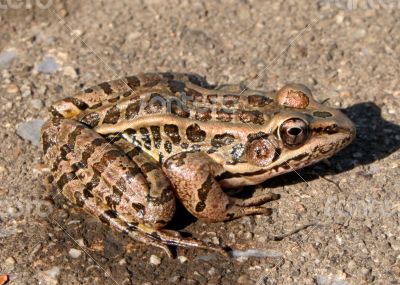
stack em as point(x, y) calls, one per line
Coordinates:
point(126, 149)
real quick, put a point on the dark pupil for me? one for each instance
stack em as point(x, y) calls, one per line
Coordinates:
point(294, 131)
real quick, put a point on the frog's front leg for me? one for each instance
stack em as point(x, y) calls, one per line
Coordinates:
point(193, 176)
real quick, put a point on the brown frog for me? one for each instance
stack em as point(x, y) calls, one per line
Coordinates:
point(125, 150)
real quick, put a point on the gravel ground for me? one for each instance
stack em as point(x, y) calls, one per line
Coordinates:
point(336, 222)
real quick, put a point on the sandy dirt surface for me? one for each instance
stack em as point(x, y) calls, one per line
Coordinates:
point(337, 222)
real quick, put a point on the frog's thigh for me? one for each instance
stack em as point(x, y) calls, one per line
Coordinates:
point(74, 151)
point(193, 176)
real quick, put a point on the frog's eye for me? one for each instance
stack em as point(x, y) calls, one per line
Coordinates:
point(294, 132)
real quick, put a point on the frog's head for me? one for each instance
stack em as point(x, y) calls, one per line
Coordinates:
point(300, 133)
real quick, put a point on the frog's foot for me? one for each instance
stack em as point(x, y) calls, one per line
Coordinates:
point(175, 239)
point(193, 176)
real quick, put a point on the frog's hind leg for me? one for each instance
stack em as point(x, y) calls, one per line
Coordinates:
point(193, 176)
point(98, 177)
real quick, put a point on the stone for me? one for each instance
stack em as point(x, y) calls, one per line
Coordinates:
point(155, 260)
point(71, 72)
point(37, 104)
point(30, 131)
point(6, 58)
point(75, 253)
point(182, 258)
point(48, 65)
point(49, 277)
point(330, 280)
point(12, 89)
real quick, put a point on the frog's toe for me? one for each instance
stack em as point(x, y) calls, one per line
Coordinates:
point(257, 200)
point(237, 211)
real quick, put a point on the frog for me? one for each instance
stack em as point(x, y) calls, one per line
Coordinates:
point(127, 150)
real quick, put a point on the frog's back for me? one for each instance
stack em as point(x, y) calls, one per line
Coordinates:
point(168, 113)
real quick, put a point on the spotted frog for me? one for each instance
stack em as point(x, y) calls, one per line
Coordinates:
point(126, 150)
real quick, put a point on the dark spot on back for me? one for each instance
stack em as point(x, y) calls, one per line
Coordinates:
point(172, 132)
point(194, 95)
point(168, 146)
point(112, 116)
point(177, 108)
point(146, 137)
point(133, 82)
point(106, 87)
point(222, 140)
point(65, 178)
point(229, 100)
point(155, 103)
point(195, 134)
point(224, 115)
point(127, 93)
point(258, 100)
point(132, 110)
point(255, 117)
point(203, 114)
point(91, 119)
point(176, 86)
point(113, 100)
point(78, 103)
point(256, 136)
point(155, 131)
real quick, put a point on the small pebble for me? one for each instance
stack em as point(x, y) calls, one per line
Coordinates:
point(8, 106)
point(71, 72)
point(37, 104)
point(48, 65)
point(248, 235)
point(12, 89)
point(6, 58)
point(122, 262)
point(339, 18)
point(155, 260)
point(75, 253)
point(81, 242)
point(328, 280)
point(49, 277)
point(2, 169)
point(182, 258)
point(30, 130)
point(344, 94)
point(215, 240)
point(3, 279)
point(10, 261)
point(26, 90)
point(244, 279)
point(212, 271)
